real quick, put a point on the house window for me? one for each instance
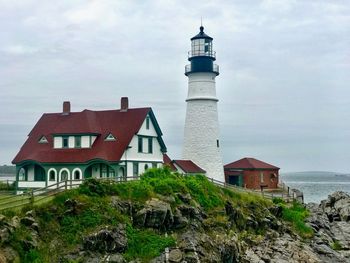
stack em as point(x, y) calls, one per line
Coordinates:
point(140, 145)
point(64, 175)
point(52, 176)
point(77, 141)
point(146, 167)
point(147, 123)
point(150, 145)
point(154, 165)
point(111, 173)
point(22, 174)
point(65, 142)
point(261, 177)
point(135, 169)
point(76, 175)
point(104, 171)
point(217, 143)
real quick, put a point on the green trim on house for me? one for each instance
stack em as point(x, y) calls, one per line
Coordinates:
point(158, 130)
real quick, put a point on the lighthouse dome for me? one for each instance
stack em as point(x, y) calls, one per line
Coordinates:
point(201, 34)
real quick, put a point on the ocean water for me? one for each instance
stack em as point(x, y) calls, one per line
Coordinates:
point(316, 186)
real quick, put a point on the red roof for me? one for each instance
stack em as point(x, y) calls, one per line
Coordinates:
point(122, 124)
point(237, 172)
point(188, 166)
point(167, 161)
point(249, 163)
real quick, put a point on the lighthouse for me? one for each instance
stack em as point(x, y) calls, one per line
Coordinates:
point(201, 136)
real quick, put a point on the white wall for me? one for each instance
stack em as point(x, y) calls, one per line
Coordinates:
point(132, 154)
point(24, 184)
point(202, 126)
point(150, 132)
point(201, 85)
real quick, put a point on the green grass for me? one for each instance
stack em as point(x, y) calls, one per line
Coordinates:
point(146, 244)
point(336, 245)
point(296, 215)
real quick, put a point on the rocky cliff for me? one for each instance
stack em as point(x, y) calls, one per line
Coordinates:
point(169, 218)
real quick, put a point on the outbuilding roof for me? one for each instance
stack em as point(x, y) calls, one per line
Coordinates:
point(122, 124)
point(250, 163)
point(188, 166)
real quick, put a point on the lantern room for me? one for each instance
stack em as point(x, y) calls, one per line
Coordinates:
point(202, 45)
point(201, 55)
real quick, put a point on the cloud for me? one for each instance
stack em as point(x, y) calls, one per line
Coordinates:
point(19, 50)
point(283, 88)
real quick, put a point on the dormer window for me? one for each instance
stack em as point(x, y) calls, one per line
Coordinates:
point(110, 137)
point(147, 123)
point(43, 140)
point(65, 142)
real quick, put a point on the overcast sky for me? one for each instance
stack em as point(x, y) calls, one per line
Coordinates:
point(283, 88)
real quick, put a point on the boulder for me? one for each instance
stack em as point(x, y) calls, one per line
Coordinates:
point(175, 255)
point(107, 240)
point(125, 207)
point(179, 220)
point(155, 214)
point(192, 212)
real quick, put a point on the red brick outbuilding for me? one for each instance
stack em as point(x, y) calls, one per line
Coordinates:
point(252, 173)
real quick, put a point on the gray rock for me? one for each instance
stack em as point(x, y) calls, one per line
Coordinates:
point(115, 258)
point(123, 206)
point(156, 214)
point(175, 255)
point(107, 240)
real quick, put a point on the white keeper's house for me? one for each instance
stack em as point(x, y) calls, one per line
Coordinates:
point(76, 145)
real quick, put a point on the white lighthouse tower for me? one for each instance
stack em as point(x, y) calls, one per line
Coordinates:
point(201, 142)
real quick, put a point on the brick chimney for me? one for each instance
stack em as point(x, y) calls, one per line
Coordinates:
point(66, 108)
point(124, 104)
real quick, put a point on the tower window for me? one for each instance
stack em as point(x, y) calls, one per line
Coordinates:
point(217, 143)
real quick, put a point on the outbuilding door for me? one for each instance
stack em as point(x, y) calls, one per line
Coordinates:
point(234, 180)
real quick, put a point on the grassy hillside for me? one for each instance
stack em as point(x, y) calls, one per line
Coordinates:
point(63, 224)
